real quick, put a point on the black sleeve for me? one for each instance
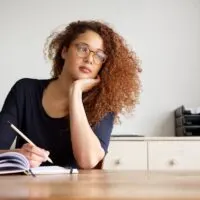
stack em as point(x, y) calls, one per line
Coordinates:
point(103, 130)
point(10, 112)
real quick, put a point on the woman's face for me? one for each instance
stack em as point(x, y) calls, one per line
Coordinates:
point(84, 57)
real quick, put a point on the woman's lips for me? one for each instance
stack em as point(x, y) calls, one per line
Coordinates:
point(85, 70)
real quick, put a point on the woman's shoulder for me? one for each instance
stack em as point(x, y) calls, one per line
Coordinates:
point(30, 83)
point(107, 119)
point(109, 116)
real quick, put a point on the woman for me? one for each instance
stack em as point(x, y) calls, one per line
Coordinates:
point(70, 116)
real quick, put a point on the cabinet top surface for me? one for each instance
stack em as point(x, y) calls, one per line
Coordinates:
point(143, 138)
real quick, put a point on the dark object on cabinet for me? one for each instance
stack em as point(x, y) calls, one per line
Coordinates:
point(186, 123)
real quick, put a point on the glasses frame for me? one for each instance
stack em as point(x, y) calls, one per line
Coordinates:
point(89, 52)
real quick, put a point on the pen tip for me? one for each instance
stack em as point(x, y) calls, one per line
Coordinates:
point(49, 159)
point(9, 122)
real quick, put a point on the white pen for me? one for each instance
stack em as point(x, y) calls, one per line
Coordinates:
point(23, 136)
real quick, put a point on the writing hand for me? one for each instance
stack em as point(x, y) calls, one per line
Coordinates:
point(34, 154)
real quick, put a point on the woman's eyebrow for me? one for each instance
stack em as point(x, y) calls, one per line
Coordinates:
point(89, 46)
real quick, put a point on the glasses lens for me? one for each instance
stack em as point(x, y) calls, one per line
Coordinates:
point(100, 57)
point(82, 50)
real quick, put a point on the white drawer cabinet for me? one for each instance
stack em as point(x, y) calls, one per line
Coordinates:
point(126, 155)
point(154, 153)
point(174, 155)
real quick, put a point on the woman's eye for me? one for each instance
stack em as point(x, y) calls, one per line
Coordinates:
point(83, 49)
point(100, 56)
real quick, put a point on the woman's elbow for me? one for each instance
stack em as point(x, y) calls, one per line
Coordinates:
point(84, 163)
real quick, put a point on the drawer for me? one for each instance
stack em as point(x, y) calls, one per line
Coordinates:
point(174, 155)
point(130, 155)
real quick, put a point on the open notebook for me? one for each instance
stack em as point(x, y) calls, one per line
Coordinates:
point(13, 162)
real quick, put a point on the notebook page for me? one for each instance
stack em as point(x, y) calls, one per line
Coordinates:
point(53, 170)
point(15, 156)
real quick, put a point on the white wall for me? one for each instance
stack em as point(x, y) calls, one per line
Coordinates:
point(165, 35)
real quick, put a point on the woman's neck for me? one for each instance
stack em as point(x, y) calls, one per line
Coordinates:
point(59, 88)
point(55, 98)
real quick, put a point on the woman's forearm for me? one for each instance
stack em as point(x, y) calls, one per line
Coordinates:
point(86, 146)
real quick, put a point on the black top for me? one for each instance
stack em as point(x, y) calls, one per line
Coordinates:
point(23, 108)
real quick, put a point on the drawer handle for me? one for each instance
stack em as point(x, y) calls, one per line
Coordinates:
point(172, 162)
point(117, 161)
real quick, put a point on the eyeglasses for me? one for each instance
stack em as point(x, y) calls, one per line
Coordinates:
point(83, 51)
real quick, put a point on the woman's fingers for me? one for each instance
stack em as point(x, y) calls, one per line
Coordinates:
point(36, 151)
point(86, 84)
point(34, 154)
point(34, 163)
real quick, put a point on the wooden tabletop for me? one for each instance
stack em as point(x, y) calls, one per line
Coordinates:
point(103, 185)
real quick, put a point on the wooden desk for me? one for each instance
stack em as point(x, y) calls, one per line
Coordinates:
point(102, 185)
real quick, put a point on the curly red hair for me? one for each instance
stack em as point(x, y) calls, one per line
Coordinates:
point(119, 89)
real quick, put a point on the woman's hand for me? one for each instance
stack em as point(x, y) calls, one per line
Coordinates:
point(86, 84)
point(34, 154)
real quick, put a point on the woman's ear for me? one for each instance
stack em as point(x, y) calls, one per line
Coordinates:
point(64, 53)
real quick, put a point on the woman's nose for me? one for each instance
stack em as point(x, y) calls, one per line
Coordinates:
point(89, 59)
